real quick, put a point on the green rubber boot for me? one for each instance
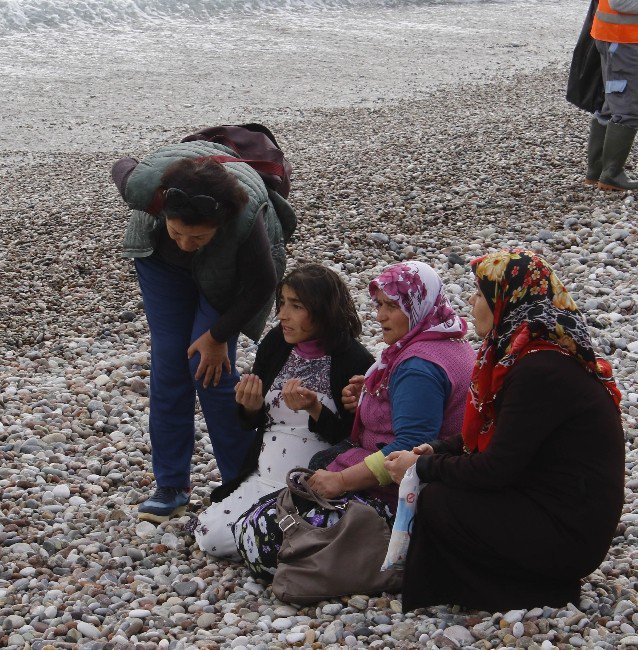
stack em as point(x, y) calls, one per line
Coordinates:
point(618, 141)
point(595, 151)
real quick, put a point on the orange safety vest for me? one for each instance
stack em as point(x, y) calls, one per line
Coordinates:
point(612, 26)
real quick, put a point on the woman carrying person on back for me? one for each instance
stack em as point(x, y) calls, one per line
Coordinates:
point(292, 396)
point(208, 247)
point(525, 502)
point(415, 392)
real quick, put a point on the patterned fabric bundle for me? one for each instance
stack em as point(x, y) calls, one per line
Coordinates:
point(532, 311)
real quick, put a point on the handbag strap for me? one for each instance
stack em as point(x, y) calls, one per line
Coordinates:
point(301, 488)
point(287, 513)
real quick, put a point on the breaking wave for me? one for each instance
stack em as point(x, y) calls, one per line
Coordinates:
point(33, 15)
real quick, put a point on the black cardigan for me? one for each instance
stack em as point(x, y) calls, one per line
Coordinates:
point(272, 354)
point(558, 439)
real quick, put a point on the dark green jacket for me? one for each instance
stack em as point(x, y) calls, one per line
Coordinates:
point(214, 266)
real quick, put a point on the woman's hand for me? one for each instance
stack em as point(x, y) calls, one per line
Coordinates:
point(352, 392)
point(327, 484)
point(423, 450)
point(248, 393)
point(397, 463)
point(213, 357)
point(298, 398)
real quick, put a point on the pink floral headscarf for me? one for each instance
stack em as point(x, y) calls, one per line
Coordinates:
point(418, 290)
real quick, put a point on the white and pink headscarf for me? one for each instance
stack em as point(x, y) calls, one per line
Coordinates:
point(418, 290)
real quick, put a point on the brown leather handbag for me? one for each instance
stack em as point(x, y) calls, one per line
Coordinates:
point(322, 563)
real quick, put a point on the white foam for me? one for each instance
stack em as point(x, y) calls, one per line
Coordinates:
point(35, 15)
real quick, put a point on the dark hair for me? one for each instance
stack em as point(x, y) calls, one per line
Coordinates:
point(326, 297)
point(200, 191)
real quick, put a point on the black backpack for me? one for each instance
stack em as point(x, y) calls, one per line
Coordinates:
point(585, 83)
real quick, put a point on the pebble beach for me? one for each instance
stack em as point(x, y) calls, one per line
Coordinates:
point(440, 176)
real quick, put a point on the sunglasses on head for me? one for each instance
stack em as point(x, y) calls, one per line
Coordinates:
point(176, 199)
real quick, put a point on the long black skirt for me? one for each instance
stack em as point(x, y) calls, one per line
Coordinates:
point(491, 551)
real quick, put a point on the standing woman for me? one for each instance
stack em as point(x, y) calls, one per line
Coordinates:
point(525, 503)
point(208, 249)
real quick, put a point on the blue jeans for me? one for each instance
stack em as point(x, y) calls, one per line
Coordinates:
point(177, 315)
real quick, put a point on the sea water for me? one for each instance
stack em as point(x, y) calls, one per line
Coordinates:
point(73, 70)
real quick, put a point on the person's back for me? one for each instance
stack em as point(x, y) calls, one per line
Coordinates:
point(577, 472)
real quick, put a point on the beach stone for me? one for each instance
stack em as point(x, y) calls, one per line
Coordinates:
point(230, 618)
point(358, 602)
point(284, 611)
point(254, 588)
point(136, 554)
point(145, 529)
point(363, 631)
point(206, 621)
point(88, 630)
point(402, 631)
point(132, 626)
point(514, 616)
point(454, 258)
point(22, 549)
point(459, 635)
point(332, 633)
point(13, 622)
point(16, 640)
point(55, 437)
point(186, 588)
point(169, 540)
point(281, 624)
point(239, 642)
point(61, 491)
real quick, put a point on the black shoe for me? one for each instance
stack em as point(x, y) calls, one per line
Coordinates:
point(167, 502)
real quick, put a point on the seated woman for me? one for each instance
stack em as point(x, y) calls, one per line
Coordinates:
point(292, 395)
point(525, 503)
point(415, 392)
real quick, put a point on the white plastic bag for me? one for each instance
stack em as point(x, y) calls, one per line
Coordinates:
point(400, 539)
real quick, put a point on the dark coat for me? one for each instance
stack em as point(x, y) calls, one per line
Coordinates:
point(519, 524)
point(272, 353)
